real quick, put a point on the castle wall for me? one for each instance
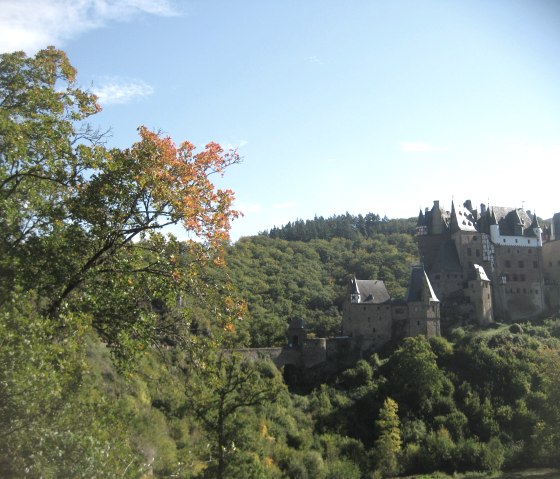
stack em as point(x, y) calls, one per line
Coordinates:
point(520, 241)
point(369, 324)
point(446, 283)
point(551, 267)
point(279, 356)
point(479, 294)
point(469, 247)
point(518, 282)
point(423, 318)
point(314, 351)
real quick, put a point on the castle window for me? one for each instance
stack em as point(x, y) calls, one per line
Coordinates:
point(514, 277)
point(474, 238)
point(504, 240)
point(521, 264)
point(516, 240)
point(469, 252)
point(530, 251)
point(418, 323)
point(528, 241)
point(525, 290)
point(521, 277)
point(437, 276)
point(477, 253)
point(507, 263)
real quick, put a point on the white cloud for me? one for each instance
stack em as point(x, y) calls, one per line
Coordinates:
point(284, 206)
point(419, 147)
point(118, 90)
point(315, 60)
point(29, 25)
point(235, 146)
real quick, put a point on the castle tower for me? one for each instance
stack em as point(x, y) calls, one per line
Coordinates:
point(479, 293)
point(421, 226)
point(423, 305)
point(296, 334)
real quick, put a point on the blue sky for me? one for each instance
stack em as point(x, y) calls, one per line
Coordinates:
point(335, 106)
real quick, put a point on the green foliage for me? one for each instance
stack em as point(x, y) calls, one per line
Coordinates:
point(416, 380)
point(341, 226)
point(280, 279)
point(54, 420)
point(388, 444)
point(220, 389)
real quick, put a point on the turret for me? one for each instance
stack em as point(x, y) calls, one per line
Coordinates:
point(421, 226)
point(454, 226)
point(536, 229)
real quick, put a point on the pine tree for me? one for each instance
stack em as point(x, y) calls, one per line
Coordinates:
point(388, 444)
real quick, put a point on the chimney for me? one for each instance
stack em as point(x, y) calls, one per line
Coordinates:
point(482, 208)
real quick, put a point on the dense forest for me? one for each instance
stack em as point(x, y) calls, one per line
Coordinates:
point(118, 342)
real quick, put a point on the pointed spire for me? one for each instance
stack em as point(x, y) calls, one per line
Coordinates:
point(535, 223)
point(421, 219)
point(454, 220)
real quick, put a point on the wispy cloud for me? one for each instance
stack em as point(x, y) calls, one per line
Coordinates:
point(419, 147)
point(235, 146)
point(119, 90)
point(284, 206)
point(315, 60)
point(29, 25)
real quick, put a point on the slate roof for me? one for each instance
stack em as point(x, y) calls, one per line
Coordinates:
point(480, 273)
point(370, 290)
point(447, 258)
point(420, 285)
point(462, 219)
point(421, 219)
point(509, 219)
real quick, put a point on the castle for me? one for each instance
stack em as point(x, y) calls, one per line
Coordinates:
point(496, 263)
point(478, 266)
point(370, 318)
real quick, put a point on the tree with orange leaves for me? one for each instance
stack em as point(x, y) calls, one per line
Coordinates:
point(84, 226)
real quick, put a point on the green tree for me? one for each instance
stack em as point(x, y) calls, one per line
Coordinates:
point(416, 381)
point(388, 445)
point(76, 217)
point(83, 254)
point(219, 390)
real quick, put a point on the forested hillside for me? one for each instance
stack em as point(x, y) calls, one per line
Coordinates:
point(280, 279)
point(118, 342)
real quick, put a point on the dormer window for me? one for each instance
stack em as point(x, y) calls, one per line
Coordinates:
point(354, 298)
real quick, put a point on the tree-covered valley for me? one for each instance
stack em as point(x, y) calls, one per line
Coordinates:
point(118, 341)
